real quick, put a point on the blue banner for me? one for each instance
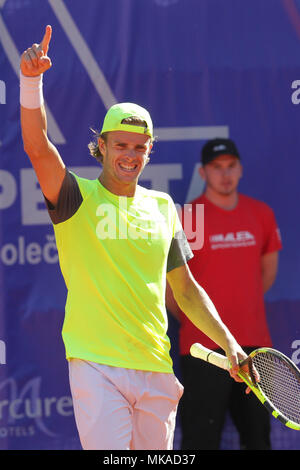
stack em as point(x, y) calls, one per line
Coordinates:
point(203, 68)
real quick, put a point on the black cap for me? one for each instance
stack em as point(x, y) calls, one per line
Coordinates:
point(219, 146)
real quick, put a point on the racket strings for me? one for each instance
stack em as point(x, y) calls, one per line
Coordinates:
point(279, 383)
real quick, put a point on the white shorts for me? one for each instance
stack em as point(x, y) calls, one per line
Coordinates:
point(123, 409)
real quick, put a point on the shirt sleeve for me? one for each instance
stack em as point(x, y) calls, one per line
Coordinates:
point(180, 252)
point(69, 200)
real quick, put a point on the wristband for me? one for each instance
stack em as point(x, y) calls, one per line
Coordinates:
point(31, 91)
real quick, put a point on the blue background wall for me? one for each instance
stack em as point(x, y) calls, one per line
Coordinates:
point(203, 68)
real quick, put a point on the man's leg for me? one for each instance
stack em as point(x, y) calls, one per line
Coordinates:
point(204, 404)
point(118, 408)
point(103, 415)
point(251, 418)
point(154, 412)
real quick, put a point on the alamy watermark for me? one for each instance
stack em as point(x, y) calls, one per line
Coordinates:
point(124, 222)
point(2, 92)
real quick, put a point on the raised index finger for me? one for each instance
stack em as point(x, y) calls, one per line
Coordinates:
point(46, 39)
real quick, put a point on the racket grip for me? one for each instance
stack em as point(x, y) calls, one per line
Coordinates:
point(201, 352)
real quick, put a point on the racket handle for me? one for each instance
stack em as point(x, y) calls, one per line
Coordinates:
point(199, 351)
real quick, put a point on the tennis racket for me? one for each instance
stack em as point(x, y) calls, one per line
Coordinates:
point(273, 378)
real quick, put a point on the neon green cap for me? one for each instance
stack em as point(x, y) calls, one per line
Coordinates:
point(120, 111)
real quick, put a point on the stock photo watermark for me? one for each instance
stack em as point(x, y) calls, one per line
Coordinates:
point(120, 224)
point(2, 92)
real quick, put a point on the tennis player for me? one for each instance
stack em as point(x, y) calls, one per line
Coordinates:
point(117, 244)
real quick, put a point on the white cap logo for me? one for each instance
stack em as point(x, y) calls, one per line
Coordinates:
point(219, 147)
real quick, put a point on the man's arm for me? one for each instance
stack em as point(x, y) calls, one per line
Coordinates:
point(197, 306)
point(171, 303)
point(269, 267)
point(45, 158)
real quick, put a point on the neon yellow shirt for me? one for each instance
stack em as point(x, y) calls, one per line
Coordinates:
point(113, 255)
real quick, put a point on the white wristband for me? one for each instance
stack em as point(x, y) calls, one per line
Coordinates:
point(31, 91)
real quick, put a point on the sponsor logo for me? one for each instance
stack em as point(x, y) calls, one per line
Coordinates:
point(26, 402)
point(22, 252)
point(232, 240)
point(218, 148)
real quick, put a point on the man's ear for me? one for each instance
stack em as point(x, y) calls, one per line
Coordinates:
point(242, 170)
point(150, 149)
point(148, 153)
point(202, 173)
point(102, 146)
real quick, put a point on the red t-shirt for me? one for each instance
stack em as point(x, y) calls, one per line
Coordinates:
point(228, 267)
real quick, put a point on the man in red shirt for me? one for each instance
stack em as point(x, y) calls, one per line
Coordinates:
point(236, 266)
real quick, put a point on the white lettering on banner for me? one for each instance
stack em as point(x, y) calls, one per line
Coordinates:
point(16, 431)
point(161, 174)
point(296, 353)
point(2, 352)
point(2, 92)
point(31, 198)
point(32, 253)
point(190, 133)
point(8, 189)
point(33, 209)
point(29, 404)
point(296, 94)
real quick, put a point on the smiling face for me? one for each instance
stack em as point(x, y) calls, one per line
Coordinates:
point(125, 155)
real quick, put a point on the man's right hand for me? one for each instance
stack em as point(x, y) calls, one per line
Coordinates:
point(35, 61)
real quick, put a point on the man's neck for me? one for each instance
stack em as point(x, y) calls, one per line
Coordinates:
point(126, 190)
point(224, 201)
